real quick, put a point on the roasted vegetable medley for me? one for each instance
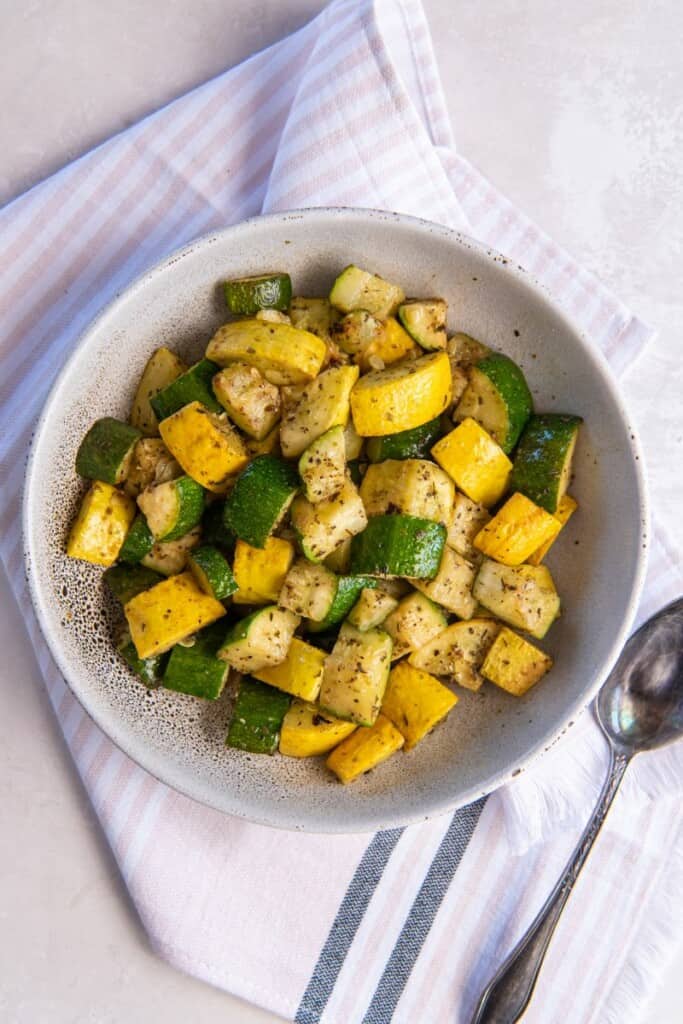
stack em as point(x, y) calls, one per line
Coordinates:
point(340, 512)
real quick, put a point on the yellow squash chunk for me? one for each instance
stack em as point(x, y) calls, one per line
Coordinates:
point(458, 652)
point(270, 445)
point(452, 586)
point(516, 531)
point(169, 612)
point(415, 701)
point(514, 664)
point(300, 674)
point(101, 525)
point(364, 749)
point(472, 458)
point(284, 354)
point(565, 510)
point(162, 368)
point(260, 572)
point(324, 403)
point(403, 396)
point(413, 487)
point(308, 731)
point(468, 519)
point(394, 343)
point(207, 447)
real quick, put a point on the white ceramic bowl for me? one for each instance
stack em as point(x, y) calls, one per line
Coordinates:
point(598, 563)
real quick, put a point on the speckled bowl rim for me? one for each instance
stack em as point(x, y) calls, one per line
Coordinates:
point(134, 747)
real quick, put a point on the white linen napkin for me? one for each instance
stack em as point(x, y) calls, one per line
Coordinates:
point(409, 924)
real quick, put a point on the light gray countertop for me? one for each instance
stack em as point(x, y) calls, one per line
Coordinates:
point(574, 111)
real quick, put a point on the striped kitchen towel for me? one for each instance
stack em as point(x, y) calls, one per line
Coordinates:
point(409, 924)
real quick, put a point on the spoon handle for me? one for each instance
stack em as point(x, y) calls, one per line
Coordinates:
point(507, 996)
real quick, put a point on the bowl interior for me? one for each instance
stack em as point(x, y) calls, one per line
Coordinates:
point(596, 565)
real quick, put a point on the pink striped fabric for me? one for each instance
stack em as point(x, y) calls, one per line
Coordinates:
point(347, 111)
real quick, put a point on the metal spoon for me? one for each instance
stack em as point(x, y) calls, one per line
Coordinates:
point(640, 707)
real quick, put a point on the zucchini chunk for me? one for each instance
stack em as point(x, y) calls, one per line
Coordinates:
point(425, 322)
point(300, 674)
point(498, 398)
point(314, 315)
point(212, 572)
point(543, 462)
point(260, 572)
point(192, 386)
point(475, 461)
point(324, 403)
point(261, 639)
point(358, 289)
point(244, 296)
point(207, 447)
point(406, 444)
point(402, 396)
point(272, 316)
point(163, 367)
point(194, 668)
point(347, 593)
point(565, 511)
point(353, 442)
point(465, 351)
point(308, 590)
point(364, 749)
point(355, 675)
point(127, 581)
point(339, 560)
point(399, 546)
point(151, 464)
point(148, 670)
point(257, 718)
point(172, 509)
point(283, 354)
point(415, 702)
point(106, 451)
point(523, 596)
point(515, 664)
point(357, 332)
point(322, 467)
point(412, 487)
point(307, 731)
point(371, 609)
point(452, 585)
point(458, 652)
point(251, 402)
point(413, 624)
point(169, 612)
point(138, 543)
point(101, 526)
point(322, 527)
point(260, 498)
point(468, 519)
point(169, 557)
point(516, 531)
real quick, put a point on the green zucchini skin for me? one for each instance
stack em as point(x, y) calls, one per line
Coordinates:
point(542, 463)
point(106, 450)
point(415, 443)
point(138, 543)
point(510, 386)
point(245, 296)
point(257, 717)
point(192, 386)
point(190, 497)
point(260, 497)
point(348, 592)
point(196, 670)
point(212, 572)
point(214, 530)
point(127, 581)
point(150, 670)
point(399, 546)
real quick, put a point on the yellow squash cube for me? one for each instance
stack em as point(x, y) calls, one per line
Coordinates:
point(300, 674)
point(260, 572)
point(284, 354)
point(472, 458)
point(205, 444)
point(365, 749)
point(393, 344)
point(307, 730)
point(516, 531)
point(565, 510)
point(403, 396)
point(415, 701)
point(169, 612)
point(101, 525)
point(514, 664)
point(413, 487)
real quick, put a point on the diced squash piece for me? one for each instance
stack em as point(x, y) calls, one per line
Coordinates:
point(466, 351)
point(251, 402)
point(283, 354)
point(324, 403)
point(472, 458)
point(151, 464)
point(356, 332)
point(322, 467)
point(452, 585)
point(308, 731)
point(516, 531)
point(413, 487)
point(163, 367)
point(355, 674)
point(523, 596)
point(101, 525)
point(415, 702)
point(169, 612)
point(308, 590)
point(205, 444)
point(300, 674)
point(339, 560)
point(322, 527)
point(261, 639)
point(170, 556)
point(353, 442)
point(403, 396)
point(458, 652)
point(468, 519)
point(514, 664)
point(260, 572)
point(359, 289)
point(314, 315)
point(371, 609)
point(565, 511)
point(413, 624)
point(364, 749)
point(270, 445)
point(392, 344)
